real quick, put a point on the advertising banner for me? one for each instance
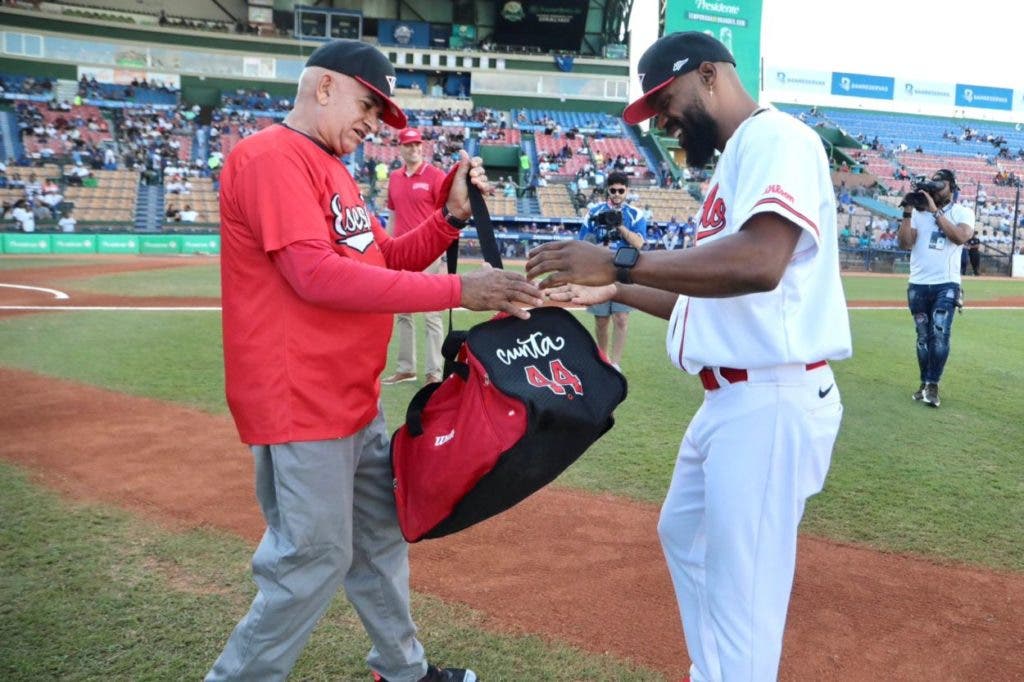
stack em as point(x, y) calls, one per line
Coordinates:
point(403, 33)
point(117, 243)
point(924, 92)
point(73, 243)
point(797, 80)
point(159, 244)
point(862, 85)
point(26, 243)
point(737, 23)
point(983, 97)
point(200, 243)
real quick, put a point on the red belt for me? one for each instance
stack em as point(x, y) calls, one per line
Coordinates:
point(735, 376)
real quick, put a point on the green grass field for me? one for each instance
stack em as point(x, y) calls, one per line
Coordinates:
point(947, 484)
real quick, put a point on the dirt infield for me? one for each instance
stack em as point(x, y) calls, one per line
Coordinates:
point(574, 567)
point(570, 566)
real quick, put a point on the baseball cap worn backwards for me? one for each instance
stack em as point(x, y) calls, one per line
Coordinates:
point(671, 56)
point(367, 65)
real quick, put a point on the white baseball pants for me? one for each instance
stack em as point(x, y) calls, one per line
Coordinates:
point(753, 454)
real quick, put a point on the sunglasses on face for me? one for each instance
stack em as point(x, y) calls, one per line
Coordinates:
point(617, 191)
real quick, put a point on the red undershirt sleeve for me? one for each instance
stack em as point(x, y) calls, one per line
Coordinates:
point(321, 277)
point(420, 246)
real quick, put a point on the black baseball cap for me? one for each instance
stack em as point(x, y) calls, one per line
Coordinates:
point(947, 175)
point(367, 65)
point(670, 56)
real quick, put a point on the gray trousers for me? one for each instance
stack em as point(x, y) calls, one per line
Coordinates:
point(331, 521)
point(406, 330)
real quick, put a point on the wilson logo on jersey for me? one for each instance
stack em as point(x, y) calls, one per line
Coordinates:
point(712, 215)
point(352, 224)
point(778, 191)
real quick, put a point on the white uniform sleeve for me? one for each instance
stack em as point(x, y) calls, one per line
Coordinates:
point(780, 169)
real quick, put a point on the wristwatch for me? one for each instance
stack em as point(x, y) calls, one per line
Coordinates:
point(624, 260)
point(457, 223)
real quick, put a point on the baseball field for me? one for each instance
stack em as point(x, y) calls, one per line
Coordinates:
point(129, 517)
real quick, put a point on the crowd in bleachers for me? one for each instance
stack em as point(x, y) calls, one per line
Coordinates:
point(151, 140)
point(139, 90)
point(12, 85)
point(574, 153)
point(254, 100)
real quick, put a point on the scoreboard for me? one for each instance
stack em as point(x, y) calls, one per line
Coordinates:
point(322, 23)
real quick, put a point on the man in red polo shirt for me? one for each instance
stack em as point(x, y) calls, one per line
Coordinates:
point(412, 195)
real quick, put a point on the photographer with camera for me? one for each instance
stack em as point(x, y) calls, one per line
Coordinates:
point(623, 229)
point(935, 229)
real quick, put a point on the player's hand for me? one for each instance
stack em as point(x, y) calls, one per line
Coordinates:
point(458, 197)
point(500, 290)
point(571, 261)
point(577, 294)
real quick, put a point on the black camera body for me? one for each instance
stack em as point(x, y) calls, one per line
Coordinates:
point(606, 224)
point(915, 198)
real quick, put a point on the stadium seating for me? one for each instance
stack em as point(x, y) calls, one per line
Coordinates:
point(556, 201)
point(112, 199)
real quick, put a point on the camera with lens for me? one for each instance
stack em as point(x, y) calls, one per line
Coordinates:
point(606, 225)
point(915, 198)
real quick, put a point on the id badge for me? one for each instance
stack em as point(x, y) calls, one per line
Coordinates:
point(937, 240)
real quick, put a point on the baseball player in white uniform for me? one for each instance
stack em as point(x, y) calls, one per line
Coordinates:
point(756, 311)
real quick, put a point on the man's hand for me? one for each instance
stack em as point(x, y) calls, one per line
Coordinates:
point(458, 197)
point(929, 203)
point(571, 261)
point(500, 290)
point(577, 294)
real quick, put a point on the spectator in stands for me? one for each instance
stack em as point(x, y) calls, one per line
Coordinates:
point(935, 229)
point(23, 216)
point(33, 187)
point(67, 221)
point(172, 213)
point(189, 214)
point(627, 228)
point(40, 211)
point(509, 188)
point(413, 192)
point(673, 234)
point(51, 198)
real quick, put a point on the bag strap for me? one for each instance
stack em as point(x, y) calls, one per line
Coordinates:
point(484, 228)
point(484, 232)
point(454, 340)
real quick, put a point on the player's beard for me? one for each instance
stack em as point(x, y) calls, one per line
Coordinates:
point(699, 133)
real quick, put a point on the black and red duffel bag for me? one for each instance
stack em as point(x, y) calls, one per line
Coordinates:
point(521, 401)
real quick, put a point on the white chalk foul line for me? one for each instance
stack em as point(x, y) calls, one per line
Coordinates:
point(56, 294)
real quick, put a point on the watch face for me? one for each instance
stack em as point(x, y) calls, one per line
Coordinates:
point(626, 257)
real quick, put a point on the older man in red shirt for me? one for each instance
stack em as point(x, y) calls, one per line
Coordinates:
point(412, 195)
